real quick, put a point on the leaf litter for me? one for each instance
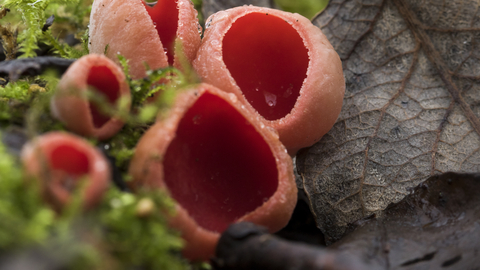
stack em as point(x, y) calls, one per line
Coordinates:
point(435, 227)
point(410, 111)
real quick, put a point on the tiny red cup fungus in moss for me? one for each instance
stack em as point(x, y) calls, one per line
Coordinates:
point(71, 106)
point(144, 34)
point(278, 64)
point(220, 164)
point(60, 160)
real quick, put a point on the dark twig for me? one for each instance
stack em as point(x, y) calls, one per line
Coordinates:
point(247, 246)
point(48, 23)
point(33, 66)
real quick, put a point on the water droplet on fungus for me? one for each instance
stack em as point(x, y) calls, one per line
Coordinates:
point(270, 98)
point(288, 92)
point(207, 25)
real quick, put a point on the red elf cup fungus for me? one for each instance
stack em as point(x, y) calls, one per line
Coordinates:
point(60, 160)
point(220, 164)
point(144, 34)
point(71, 106)
point(278, 64)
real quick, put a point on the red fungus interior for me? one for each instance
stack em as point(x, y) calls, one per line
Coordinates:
point(218, 167)
point(268, 60)
point(165, 18)
point(70, 160)
point(105, 82)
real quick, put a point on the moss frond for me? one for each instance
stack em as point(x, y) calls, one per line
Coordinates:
point(129, 230)
point(69, 15)
point(139, 221)
point(25, 219)
point(28, 38)
point(18, 90)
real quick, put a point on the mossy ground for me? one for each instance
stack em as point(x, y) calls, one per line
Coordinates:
point(121, 233)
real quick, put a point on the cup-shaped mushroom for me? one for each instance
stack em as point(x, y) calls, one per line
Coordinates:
point(220, 164)
point(144, 34)
point(71, 105)
point(62, 162)
point(280, 65)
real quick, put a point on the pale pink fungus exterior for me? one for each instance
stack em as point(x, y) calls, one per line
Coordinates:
point(60, 160)
point(278, 64)
point(139, 33)
point(71, 106)
point(221, 165)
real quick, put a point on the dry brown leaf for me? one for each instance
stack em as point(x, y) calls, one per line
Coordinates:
point(411, 105)
point(435, 227)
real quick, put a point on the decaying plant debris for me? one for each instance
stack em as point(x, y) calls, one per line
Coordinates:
point(247, 246)
point(9, 42)
point(33, 66)
point(433, 228)
point(411, 107)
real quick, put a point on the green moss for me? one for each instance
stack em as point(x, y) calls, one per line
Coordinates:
point(150, 97)
point(24, 219)
point(124, 229)
point(115, 230)
point(18, 98)
point(71, 16)
point(122, 233)
point(137, 232)
point(17, 90)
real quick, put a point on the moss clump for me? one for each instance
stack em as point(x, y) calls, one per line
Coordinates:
point(24, 219)
point(137, 232)
point(127, 231)
point(120, 234)
point(29, 18)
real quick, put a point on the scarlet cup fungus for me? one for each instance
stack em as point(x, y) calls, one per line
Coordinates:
point(71, 106)
point(220, 164)
point(60, 160)
point(278, 64)
point(144, 34)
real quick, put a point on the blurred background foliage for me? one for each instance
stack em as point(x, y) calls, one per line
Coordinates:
point(307, 8)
